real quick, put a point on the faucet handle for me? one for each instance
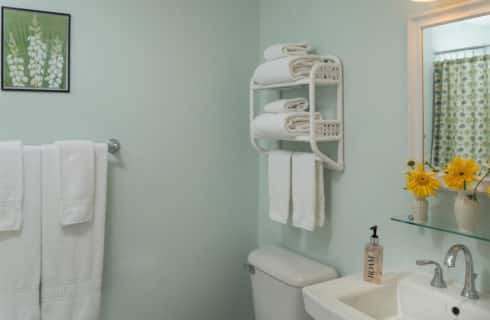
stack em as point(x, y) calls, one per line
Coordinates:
point(438, 280)
point(425, 262)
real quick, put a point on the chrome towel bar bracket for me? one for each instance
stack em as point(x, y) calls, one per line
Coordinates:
point(113, 146)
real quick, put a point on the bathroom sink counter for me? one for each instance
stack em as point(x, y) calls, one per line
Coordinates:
point(401, 296)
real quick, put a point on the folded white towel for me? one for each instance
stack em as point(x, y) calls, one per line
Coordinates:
point(20, 251)
point(308, 192)
point(72, 256)
point(282, 125)
point(285, 69)
point(77, 180)
point(281, 50)
point(320, 195)
point(11, 185)
point(287, 105)
point(279, 185)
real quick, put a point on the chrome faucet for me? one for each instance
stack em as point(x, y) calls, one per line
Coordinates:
point(438, 280)
point(469, 290)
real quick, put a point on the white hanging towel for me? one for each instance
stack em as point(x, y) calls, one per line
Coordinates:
point(20, 250)
point(280, 50)
point(72, 256)
point(287, 69)
point(287, 105)
point(282, 125)
point(77, 181)
point(11, 185)
point(308, 192)
point(279, 185)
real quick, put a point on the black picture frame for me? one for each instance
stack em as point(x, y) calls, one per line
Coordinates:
point(68, 55)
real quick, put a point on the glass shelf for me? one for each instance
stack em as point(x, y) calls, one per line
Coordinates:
point(447, 223)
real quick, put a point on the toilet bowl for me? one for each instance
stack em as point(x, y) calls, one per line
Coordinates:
point(278, 277)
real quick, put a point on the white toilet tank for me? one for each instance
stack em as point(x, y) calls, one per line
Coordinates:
point(278, 277)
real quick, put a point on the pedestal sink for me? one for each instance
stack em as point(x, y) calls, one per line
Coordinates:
point(401, 296)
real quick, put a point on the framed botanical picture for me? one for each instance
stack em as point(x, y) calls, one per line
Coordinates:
point(35, 50)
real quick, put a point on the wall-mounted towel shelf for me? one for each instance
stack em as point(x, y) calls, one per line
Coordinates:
point(327, 73)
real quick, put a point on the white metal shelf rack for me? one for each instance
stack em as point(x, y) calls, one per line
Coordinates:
point(327, 73)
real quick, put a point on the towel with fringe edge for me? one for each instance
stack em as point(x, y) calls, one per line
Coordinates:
point(282, 125)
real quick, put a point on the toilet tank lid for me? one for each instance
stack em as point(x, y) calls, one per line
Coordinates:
point(290, 268)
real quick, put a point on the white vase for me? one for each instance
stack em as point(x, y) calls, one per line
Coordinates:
point(420, 209)
point(467, 212)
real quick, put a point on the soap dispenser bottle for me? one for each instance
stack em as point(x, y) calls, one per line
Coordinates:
point(373, 259)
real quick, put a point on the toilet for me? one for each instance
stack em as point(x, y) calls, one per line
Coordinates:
point(278, 277)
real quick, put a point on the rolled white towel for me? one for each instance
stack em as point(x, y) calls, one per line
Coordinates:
point(281, 50)
point(285, 69)
point(282, 125)
point(287, 105)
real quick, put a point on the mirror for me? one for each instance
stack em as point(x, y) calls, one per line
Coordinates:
point(456, 91)
point(448, 84)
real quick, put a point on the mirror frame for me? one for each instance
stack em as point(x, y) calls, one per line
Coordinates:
point(416, 26)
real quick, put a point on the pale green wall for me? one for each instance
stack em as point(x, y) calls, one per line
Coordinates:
point(168, 78)
point(370, 37)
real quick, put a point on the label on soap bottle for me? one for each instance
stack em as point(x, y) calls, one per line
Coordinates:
point(373, 264)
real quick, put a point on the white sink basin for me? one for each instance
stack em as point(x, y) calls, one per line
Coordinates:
point(403, 296)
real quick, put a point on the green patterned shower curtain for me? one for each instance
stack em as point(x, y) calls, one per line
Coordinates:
point(461, 122)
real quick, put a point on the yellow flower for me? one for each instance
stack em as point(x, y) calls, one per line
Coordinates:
point(459, 171)
point(488, 191)
point(423, 184)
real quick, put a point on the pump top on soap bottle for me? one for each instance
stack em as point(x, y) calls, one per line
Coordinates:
point(373, 258)
point(374, 237)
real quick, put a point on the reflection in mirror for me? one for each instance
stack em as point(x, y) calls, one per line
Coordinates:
point(456, 91)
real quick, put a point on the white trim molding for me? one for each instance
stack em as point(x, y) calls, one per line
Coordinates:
point(416, 26)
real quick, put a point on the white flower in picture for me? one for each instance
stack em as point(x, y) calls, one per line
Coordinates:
point(55, 65)
point(37, 52)
point(15, 64)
